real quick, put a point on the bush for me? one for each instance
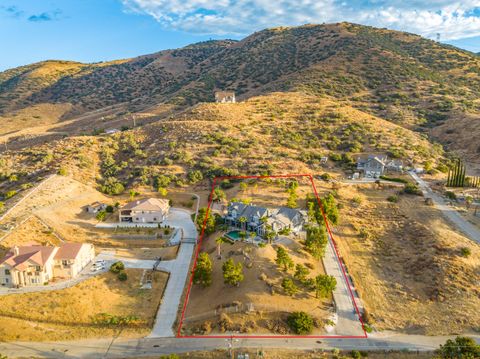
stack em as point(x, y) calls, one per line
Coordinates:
point(117, 267)
point(112, 186)
point(355, 354)
point(300, 322)
point(394, 179)
point(393, 199)
point(289, 287)
point(122, 276)
point(461, 347)
point(203, 271)
point(101, 215)
point(194, 176)
point(109, 209)
point(62, 171)
point(451, 195)
point(10, 194)
point(466, 252)
point(411, 188)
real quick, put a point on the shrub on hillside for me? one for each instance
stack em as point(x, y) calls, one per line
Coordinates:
point(122, 276)
point(411, 188)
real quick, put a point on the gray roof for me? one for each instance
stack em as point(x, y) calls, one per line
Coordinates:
point(248, 210)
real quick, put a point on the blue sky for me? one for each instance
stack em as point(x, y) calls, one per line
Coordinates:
point(100, 30)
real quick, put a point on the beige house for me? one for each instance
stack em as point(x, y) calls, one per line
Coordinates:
point(36, 265)
point(71, 258)
point(149, 210)
point(225, 96)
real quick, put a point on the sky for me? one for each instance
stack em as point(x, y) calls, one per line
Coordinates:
point(102, 30)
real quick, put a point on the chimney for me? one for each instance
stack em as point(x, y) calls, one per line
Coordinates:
point(16, 250)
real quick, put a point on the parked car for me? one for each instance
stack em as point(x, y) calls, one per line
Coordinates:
point(100, 262)
point(97, 268)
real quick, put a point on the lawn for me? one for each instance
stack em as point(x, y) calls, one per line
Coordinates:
point(69, 313)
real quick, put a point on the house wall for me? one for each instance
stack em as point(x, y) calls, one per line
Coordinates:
point(147, 216)
point(6, 279)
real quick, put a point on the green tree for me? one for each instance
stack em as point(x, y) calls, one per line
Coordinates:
point(301, 272)
point(218, 195)
point(203, 270)
point(232, 273)
point(283, 259)
point(330, 208)
point(219, 241)
point(122, 276)
point(300, 322)
point(243, 186)
point(324, 285)
point(292, 198)
point(112, 186)
point(210, 220)
point(194, 176)
point(117, 267)
point(101, 215)
point(289, 287)
point(316, 241)
point(243, 221)
point(461, 348)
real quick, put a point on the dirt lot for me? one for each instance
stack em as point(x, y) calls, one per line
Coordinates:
point(407, 264)
point(68, 314)
point(260, 288)
point(31, 231)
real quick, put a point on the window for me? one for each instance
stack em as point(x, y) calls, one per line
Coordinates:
point(7, 271)
point(38, 268)
point(6, 280)
point(65, 263)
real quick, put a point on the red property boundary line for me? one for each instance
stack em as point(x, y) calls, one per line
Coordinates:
point(310, 177)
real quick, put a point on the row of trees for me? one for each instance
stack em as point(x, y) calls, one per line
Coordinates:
point(457, 177)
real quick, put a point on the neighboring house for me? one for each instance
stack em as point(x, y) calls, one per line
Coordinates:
point(256, 218)
point(96, 207)
point(35, 265)
point(394, 165)
point(150, 210)
point(373, 166)
point(71, 258)
point(224, 96)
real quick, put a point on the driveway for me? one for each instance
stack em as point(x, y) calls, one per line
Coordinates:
point(348, 322)
point(451, 214)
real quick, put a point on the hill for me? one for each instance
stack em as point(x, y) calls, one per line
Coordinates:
point(403, 78)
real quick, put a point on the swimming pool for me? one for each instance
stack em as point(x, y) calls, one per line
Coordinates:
point(233, 235)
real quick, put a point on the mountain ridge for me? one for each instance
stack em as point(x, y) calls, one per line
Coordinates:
point(401, 77)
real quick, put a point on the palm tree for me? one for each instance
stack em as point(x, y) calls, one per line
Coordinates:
point(242, 221)
point(253, 235)
point(219, 242)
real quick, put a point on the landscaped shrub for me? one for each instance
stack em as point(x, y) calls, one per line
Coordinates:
point(101, 215)
point(117, 267)
point(122, 276)
point(300, 323)
point(411, 188)
point(394, 179)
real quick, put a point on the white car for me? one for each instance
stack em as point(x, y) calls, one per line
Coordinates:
point(97, 268)
point(100, 262)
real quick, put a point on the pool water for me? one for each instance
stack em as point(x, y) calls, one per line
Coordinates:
point(235, 235)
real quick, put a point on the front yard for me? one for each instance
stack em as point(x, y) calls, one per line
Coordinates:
point(83, 311)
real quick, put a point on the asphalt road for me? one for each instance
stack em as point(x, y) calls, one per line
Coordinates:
point(136, 348)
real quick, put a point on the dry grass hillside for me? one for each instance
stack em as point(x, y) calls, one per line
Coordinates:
point(278, 133)
point(408, 263)
point(400, 77)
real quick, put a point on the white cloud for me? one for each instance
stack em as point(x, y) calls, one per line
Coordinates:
point(452, 20)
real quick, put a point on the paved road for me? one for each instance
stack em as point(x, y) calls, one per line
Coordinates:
point(348, 322)
point(462, 224)
point(124, 348)
point(179, 269)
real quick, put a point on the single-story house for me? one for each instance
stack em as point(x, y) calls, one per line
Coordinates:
point(96, 207)
point(149, 210)
point(35, 265)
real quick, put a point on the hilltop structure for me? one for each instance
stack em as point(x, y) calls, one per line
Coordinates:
point(225, 97)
